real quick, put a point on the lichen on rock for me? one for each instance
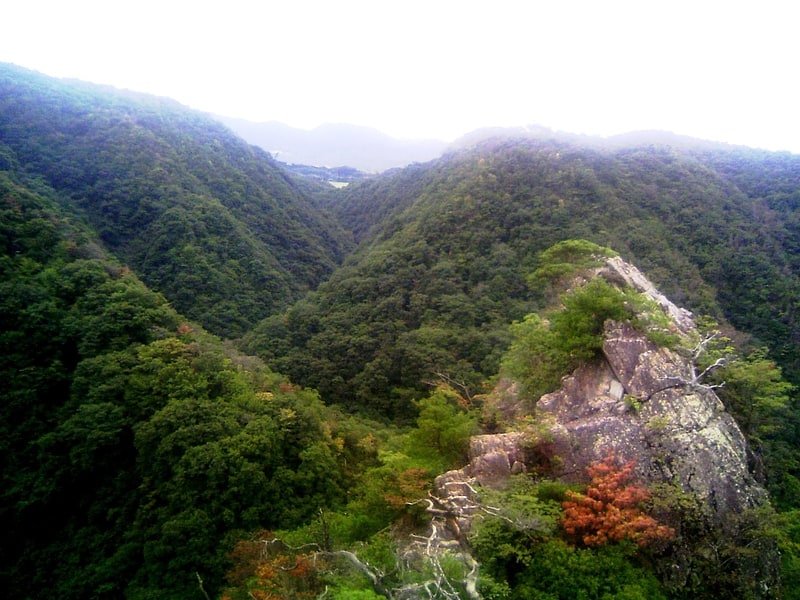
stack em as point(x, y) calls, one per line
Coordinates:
point(679, 433)
point(641, 401)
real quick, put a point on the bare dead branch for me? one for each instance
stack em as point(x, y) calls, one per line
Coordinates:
point(460, 385)
point(375, 576)
point(720, 362)
point(200, 585)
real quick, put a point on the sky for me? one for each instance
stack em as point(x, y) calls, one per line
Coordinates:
point(724, 71)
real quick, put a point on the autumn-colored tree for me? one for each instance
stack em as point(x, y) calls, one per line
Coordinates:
point(610, 510)
point(406, 487)
point(283, 576)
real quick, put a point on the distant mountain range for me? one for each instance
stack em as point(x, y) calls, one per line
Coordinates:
point(335, 145)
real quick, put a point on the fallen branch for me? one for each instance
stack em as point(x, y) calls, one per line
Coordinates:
point(200, 584)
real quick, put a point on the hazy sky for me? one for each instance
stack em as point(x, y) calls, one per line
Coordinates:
point(717, 70)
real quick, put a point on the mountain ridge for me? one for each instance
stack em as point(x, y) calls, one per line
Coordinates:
point(622, 407)
point(145, 457)
point(445, 249)
point(168, 188)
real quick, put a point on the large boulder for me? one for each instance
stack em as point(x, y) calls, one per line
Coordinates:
point(644, 403)
point(640, 402)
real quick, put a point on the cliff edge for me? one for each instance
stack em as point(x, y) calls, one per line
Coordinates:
point(639, 400)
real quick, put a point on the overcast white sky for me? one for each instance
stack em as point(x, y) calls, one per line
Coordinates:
point(725, 71)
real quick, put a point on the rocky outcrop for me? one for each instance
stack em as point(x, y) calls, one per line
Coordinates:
point(640, 401)
point(616, 270)
point(643, 403)
point(493, 459)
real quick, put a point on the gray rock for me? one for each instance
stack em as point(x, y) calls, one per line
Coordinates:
point(675, 432)
point(639, 401)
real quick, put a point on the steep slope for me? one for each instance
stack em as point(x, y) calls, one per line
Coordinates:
point(643, 405)
point(647, 403)
point(209, 221)
point(619, 470)
point(134, 447)
point(446, 248)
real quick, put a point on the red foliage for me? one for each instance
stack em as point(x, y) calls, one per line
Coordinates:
point(285, 576)
point(246, 557)
point(185, 329)
point(408, 486)
point(610, 510)
point(267, 575)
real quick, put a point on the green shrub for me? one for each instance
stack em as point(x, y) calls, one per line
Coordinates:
point(543, 351)
point(559, 571)
point(562, 260)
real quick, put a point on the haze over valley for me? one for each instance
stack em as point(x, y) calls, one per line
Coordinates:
point(527, 364)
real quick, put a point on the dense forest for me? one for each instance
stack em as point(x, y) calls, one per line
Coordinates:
point(220, 379)
point(197, 213)
point(444, 250)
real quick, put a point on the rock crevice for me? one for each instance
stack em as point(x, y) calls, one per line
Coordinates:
point(638, 400)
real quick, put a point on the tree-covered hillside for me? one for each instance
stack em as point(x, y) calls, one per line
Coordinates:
point(446, 249)
point(136, 449)
point(212, 223)
point(371, 331)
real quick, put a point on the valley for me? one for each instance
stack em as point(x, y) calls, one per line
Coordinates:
point(225, 378)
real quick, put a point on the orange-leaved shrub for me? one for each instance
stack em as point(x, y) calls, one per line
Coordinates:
point(610, 510)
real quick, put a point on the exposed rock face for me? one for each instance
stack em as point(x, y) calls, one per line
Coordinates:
point(618, 271)
point(493, 458)
point(644, 403)
point(639, 401)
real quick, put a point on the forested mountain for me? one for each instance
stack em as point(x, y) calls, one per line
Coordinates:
point(212, 223)
point(133, 444)
point(446, 249)
point(371, 331)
